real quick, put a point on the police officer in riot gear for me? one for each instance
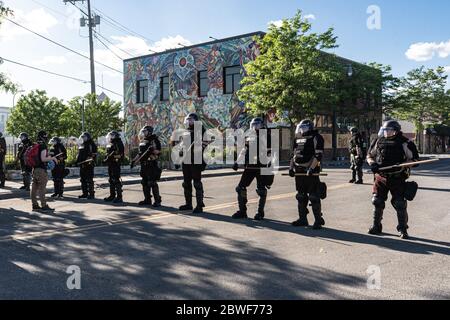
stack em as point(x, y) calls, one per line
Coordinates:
point(58, 150)
point(308, 153)
point(24, 144)
point(115, 153)
point(254, 168)
point(149, 153)
point(390, 149)
point(192, 171)
point(356, 145)
point(87, 154)
point(2, 160)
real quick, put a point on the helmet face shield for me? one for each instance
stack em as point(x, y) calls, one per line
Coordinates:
point(189, 122)
point(142, 134)
point(302, 129)
point(53, 142)
point(388, 132)
point(257, 124)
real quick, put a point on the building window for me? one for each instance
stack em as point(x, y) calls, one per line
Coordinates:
point(142, 91)
point(232, 79)
point(203, 83)
point(164, 88)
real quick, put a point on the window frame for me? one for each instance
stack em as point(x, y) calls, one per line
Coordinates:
point(199, 83)
point(233, 79)
point(161, 85)
point(141, 91)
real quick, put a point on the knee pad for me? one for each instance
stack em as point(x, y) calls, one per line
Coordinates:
point(399, 204)
point(314, 198)
point(151, 184)
point(301, 197)
point(198, 185)
point(187, 186)
point(378, 202)
point(262, 192)
point(241, 191)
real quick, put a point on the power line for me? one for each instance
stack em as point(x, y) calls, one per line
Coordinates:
point(123, 27)
point(60, 45)
point(106, 46)
point(112, 44)
point(56, 74)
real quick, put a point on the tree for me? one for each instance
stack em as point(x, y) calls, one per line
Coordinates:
point(100, 116)
point(421, 97)
point(292, 74)
point(34, 112)
point(5, 84)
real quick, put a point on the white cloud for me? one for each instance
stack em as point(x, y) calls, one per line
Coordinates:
point(310, 17)
point(49, 60)
point(170, 43)
point(447, 69)
point(37, 20)
point(425, 51)
point(277, 23)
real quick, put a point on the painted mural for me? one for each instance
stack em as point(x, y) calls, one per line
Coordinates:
point(216, 110)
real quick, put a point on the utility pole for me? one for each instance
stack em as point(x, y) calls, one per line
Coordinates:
point(91, 22)
point(82, 115)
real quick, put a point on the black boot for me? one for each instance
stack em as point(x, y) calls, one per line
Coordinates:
point(262, 193)
point(242, 201)
point(302, 203)
point(91, 190)
point(353, 177)
point(318, 216)
point(377, 227)
point(84, 190)
point(199, 194)
point(156, 195)
point(112, 194)
point(119, 194)
point(188, 198)
point(402, 228)
point(147, 196)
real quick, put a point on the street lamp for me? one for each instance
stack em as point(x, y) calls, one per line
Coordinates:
point(14, 96)
point(350, 73)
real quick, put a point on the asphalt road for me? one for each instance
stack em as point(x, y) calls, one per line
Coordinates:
point(128, 252)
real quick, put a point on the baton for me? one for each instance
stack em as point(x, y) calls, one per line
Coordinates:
point(408, 164)
point(305, 175)
point(87, 161)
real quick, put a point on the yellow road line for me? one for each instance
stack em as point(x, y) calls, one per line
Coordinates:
point(158, 215)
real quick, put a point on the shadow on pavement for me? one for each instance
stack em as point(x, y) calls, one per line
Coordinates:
point(144, 260)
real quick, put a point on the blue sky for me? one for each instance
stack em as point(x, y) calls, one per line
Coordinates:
point(424, 25)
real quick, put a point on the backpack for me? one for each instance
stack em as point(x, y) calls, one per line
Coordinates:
point(32, 157)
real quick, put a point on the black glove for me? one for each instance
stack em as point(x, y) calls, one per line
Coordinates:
point(292, 173)
point(177, 167)
point(309, 172)
point(375, 167)
point(235, 167)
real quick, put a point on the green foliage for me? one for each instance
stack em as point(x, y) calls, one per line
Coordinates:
point(100, 117)
point(34, 112)
point(421, 97)
point(292, 74)
point(6, 85)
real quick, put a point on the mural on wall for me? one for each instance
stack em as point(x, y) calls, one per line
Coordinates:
point(216, 110)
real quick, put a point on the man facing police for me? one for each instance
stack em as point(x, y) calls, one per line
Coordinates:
point(390, 149)
point(58, 150)
point(149, 153)
point(308, 153)
point(87, 154)
point(254, 167)
point(115, 153)
point(356, 156)
point(24, 144)
point(2, 160)
point(192, 169)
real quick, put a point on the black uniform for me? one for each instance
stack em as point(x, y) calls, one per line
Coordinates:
point(26, 171)
point(192, 172)
point(386, 152)
point(307, 149)
point(88, 150)
point(2, 161)
point(356, 148)
point(253, 170)
point(58, 173)
point(115, 155)
point(150, 170)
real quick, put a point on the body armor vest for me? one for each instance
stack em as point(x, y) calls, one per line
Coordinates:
point(304, 150)
point(145, 146)
point(390, 152)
